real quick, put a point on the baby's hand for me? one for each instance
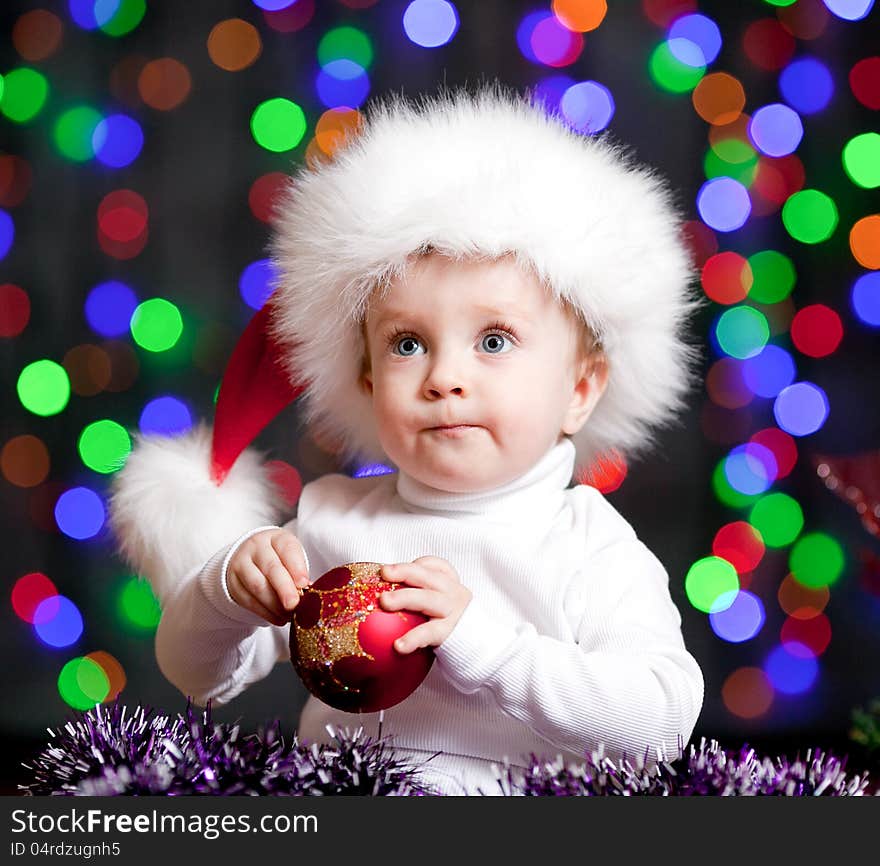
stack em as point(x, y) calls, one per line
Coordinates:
point(432, 588)
point(267, 573)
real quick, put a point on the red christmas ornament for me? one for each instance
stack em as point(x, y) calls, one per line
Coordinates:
point(341, 642)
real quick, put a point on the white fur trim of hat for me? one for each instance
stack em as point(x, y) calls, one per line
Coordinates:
point(484, 175)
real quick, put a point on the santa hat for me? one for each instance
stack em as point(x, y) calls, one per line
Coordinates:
point(465, 175)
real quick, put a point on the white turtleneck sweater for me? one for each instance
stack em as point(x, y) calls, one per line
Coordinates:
point(571, 639)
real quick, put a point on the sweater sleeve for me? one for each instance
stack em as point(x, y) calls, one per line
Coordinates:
point(626, 683)
point(207, 645)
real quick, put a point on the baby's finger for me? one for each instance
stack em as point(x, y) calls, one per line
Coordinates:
point(292, 557)
point(416, 638)
point(256, 584)
point(409, 573)
point(417, 600)
point(247, 599)
point(285, 588)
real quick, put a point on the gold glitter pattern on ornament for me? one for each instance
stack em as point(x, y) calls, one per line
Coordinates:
point(335, 635)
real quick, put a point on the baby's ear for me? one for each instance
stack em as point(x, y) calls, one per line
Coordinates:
point(591, 379)
point(366, 379)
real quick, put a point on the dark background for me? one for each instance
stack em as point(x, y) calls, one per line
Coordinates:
point(195, 170)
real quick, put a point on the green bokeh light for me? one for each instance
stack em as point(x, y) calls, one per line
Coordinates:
point(83, 683)
point(861, 160)
point(278, 125)
point(778, 518)
point(104, 446)
point(780, 2)
point(730, 496)
point(44, 388)
point(24, 94)
point(742, 331)
point(810, 216)
point(773, 277)
point(816, 560)
point(128, 15)
point(74, 131)
point(745, 171)
point(707, 580)
point(138, 606)
point(156, 325)
point(346, 43)
point(669, 73)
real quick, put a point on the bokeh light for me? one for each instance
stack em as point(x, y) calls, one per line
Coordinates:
point(781, 445)
point(768, 372)
point(850, 10)
point(747, 693)
point(768, 44)
point(606, 472)
point(256, 283)
point(104, 446)
point(694, 39)
point(83, 683)
point(810, 216)
point(776, 129)
point(109, 307)
point(806, 85)
point(670, 74)
point(138, 606)
point(112, 669)
point(164, 84)
point(165, 415)
point(588, 106)
point(816, 560)
point(801, 408)
point(234, 44)
point(719, 98)
point(861, 160)
point(89, 368)
point(707, 582)
point(742, 331)
point(124, 17)
point(24, 460)
point(739, 619)
point(778, 517)
point(801, 601)
point(15, 310)
point(342, 83)
point(278, 125)
point(864, 241)
point(580, 16)
point(865, 298)
point(724, 204)
point(293, 17)
point(430, 23)
point(29, 592)
point(816, 330)
point(43, 387)
point(864, 81)
point(156, 325)
point(814, 633)
point(740, 544)
point(773, 276)
point(37, 34)
point(346, 43)
point(117, 140)
point(750, 469)
point(726, 278)
point(57, 621)
point(80, 513)
point(792, 669)
point(25, 92)
point(264, 192)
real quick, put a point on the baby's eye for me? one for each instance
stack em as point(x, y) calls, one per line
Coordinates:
point(407, 346)
point(495, 343)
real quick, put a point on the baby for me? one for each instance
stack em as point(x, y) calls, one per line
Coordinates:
point(479, 297)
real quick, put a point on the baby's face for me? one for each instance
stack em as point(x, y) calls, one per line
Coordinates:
point(473, 372)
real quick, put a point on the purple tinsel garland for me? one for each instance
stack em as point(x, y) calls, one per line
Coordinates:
point(115, 751)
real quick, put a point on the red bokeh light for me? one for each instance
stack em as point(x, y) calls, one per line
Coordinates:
point(726, 278)
point(816, 330)
point(740, 544)
point(768, 44)
point(29, 592)
point(781, 445)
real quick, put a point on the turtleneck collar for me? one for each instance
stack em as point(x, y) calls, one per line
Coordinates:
point(541, 486)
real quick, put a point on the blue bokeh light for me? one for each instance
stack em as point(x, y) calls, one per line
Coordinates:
point(768, 372)
point(694, 40)
point(806, 85)
point(750, 469)
point(724, 204)
point(57, 621)
point(80, 513)
point(430, 23)
point(165, 415)
point(776, 129)
point(117, 140)
point(524, 34)
point(866, 298)
point(7, 233)
point(368, 470)
point(588, 107)
point(257, 282)
point(801, 408)
point(109, 307)
point(739, 619)
point(550, 91)
point(850, 10)
point(792, 668)
point(273, 5)
point(342, 83)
